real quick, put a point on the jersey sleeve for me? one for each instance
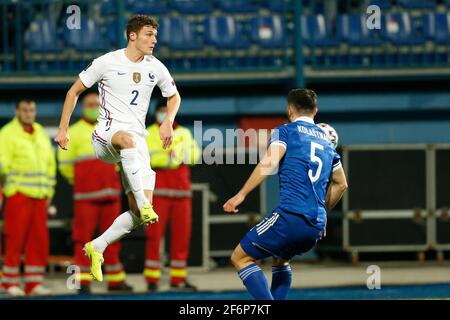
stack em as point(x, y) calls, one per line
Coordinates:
point(279, 137)
point(336, 161)
point(166, 82)
point(93, 73)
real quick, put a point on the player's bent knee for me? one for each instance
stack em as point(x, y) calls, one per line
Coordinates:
point(240, 259)
point(127, 141)
point(123, 140)
point(233, 259)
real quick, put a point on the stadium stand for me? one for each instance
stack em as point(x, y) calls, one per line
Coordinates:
point(252, 26)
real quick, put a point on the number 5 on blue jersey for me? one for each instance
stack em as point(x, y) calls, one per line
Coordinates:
point(315, 158)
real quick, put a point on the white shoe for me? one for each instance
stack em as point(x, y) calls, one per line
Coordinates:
point(40, 290)
point(15, 291)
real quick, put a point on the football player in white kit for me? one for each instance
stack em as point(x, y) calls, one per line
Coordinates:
point(126, 78)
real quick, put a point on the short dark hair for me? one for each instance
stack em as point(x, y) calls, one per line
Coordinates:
point(302, 99)
point(26, 100)
point(137, 22)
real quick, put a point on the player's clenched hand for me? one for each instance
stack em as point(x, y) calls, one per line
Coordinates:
point(166, 134)
point(231, 204)
point(62, 138)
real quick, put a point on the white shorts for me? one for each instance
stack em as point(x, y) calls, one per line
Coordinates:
point(104, 150)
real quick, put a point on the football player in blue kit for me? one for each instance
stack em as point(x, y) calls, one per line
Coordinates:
point(312, 181)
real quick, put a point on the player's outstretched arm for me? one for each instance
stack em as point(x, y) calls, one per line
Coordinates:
point(166, 129)
point(264, 168)
point(336, 189)
point(62, 137)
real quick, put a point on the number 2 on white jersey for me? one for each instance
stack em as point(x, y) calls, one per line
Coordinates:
point(315, 158)
point(133, 101)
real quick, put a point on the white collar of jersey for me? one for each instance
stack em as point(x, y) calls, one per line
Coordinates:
point(304, 118)
point(146, 58)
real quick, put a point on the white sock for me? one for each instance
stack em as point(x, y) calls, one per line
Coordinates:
point(132, 170)
point(122, 226)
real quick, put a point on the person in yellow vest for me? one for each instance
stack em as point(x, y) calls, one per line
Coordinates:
point(28, 169)
point(173, 200)
point(97, 196)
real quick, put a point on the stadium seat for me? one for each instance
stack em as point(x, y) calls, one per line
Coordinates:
point(417, 4)
point(111, 32)
point(268, 31)
point(399, 30)
point(88, 38)
point(315, 31)
point(192, 6)
point(107, 8)
point(278, 6)
point(42, 36)
point(352, 29)
point(236, 6)
point(437, 27)
point(225, 32)
point(177, 33)
point(150, 7)
point(383, 4)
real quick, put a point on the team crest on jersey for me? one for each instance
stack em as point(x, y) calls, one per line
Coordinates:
point(136, 77)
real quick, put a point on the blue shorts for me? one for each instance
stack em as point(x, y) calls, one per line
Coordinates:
point(281, 235)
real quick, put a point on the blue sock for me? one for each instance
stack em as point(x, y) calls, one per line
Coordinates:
point(255, 282)
point(281, 281)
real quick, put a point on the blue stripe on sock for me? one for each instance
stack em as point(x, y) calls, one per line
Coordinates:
point(245, 277)
point(247, 270)
point(243, 274)
point(255, 282)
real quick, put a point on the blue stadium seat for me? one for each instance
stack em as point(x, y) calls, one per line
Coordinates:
point(111, 33)
point(400, 30)
point(177, 33)
point(107, 8)
point(225, 32)
point(437, 27)
point(278, 6)
point(235, 6)
point(315, 31)
point(268, 31)
point(352, 29)
point(42, 36)
point(88, 38)
point(192, 6)
point(150, 7)
point(383, 4)
point(418, 4)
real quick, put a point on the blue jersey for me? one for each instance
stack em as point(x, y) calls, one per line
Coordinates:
point(305, 169)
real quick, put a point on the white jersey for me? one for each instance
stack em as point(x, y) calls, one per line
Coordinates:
point(126, 87)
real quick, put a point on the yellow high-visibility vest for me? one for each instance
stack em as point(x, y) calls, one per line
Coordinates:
point(184, 148)
point(92, 179)
point(79, 148)
point(27, 161)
